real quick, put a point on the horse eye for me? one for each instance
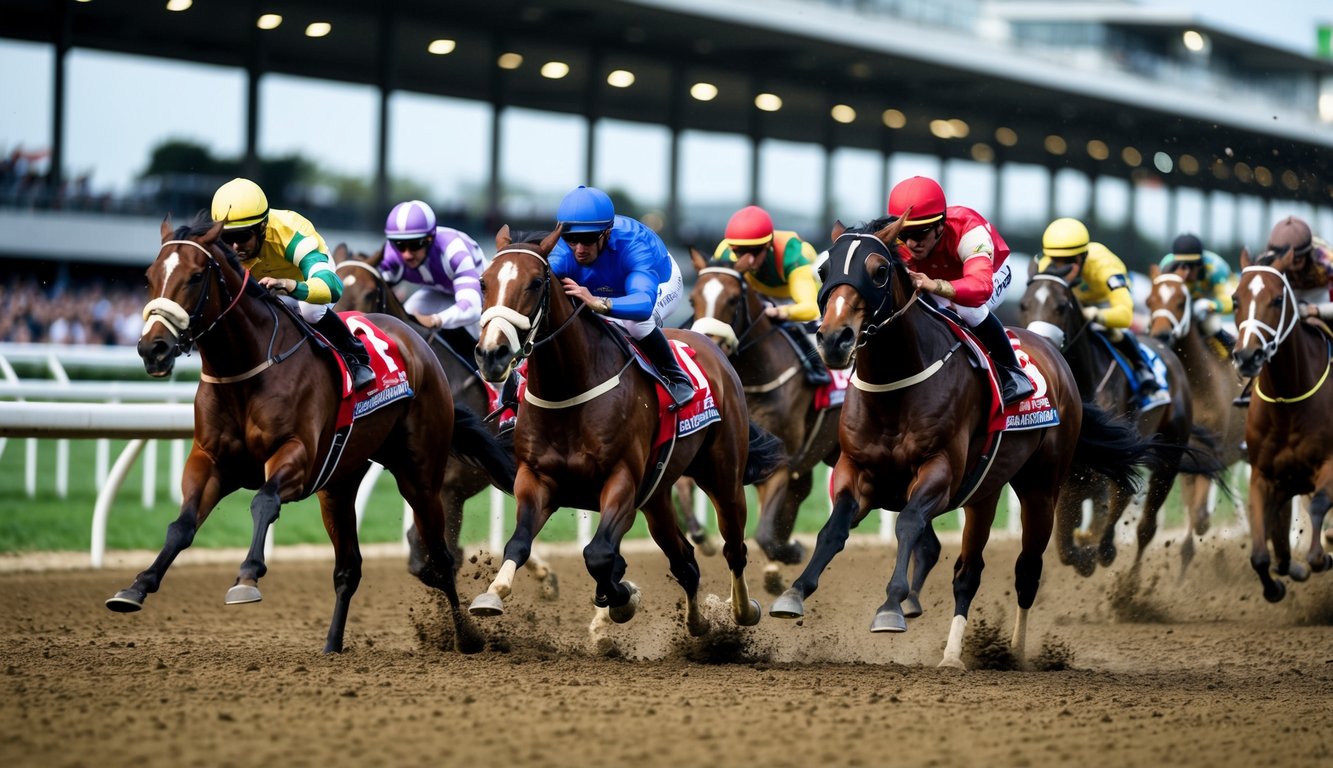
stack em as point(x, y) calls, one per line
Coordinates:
point(882, 275)
point(196, 278)
point(535, 284)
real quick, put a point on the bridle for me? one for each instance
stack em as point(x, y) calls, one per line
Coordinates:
point(880, 317)
point(712, 326)
point(381, 286)
point(512, 321)
point(1052, 331)
point(1180, 326)
point(173, 317)
point(1270, 338)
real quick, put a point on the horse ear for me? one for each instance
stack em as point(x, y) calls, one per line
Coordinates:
point(697, 259)
point(340, 253)
point(890, 233)
point(166, 228)
point(838, 229)
point(1154, 271)
point(213, 232)
point(375, 258)
point(1033, 266)
point(550, 240)
point(1245, 258)
point(502, 238)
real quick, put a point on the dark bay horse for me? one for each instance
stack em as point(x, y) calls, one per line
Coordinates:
point(914, 426)
point(585, 435)
point(781, 401)
point(265, 416)
point(1213, 385)
point(365, 290)
point(1287, 428)
point(1050, 308)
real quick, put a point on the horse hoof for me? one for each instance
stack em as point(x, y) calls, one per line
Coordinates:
point(951, 662)
point(1276, 592)
point(623, 613)
point(126, 601)
point(1298, 571)
point(911, 607)
point(707, 547)
point(486, 604)
point(774, 584)
point(242, 594)
point(751, 617)
point(789, 606)
point(1324, 564)
point(888, 621)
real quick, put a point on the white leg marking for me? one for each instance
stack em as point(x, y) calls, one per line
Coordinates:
point(504, 580)
point(953, 650)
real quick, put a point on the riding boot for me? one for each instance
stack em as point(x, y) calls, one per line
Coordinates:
point(1225, 338)
point(1129, 347)
point(815, 372)
point(658, 350)
point(1014, 382)
point(349, 346)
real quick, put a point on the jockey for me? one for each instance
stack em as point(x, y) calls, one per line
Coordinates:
point(961, 259)
point(286, 254)
point(1101, 284)
point(1208, 279)
point(446, 263)
point(779, 265)
point(620, 268)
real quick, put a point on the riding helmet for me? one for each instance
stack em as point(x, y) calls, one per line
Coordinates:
point(239, 203)
point(923, 196)
point(1187, 247)
point(586, 209)
point(1065, 238)
point(1291, 233)
point(750, 225)
point(410, 220)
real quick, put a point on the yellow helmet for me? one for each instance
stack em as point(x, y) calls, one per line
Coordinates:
point(1065, 238)
point(239, 203)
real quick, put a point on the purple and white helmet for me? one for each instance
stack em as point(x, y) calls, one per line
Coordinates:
point(410, 220)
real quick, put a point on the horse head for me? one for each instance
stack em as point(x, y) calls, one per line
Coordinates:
point(1266, 310)
point(1169, 304)
point(865, 284)
point(188, 272)
point(364, 288)
point(1049, 307)
point(721, 302)
point(516, 296)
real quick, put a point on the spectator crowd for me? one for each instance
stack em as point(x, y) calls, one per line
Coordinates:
point(65, 313)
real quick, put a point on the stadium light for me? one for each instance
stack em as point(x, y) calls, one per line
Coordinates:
point(843, 114)
point(318, 29)
point(442, 47)
point(768, 102)
point(554, 70)
point(620, 78)
point(509, 60)
point(179, 5)
point(893, 118)
point(269, 21)
point(703, 91)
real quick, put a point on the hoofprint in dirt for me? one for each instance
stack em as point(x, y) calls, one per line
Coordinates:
point(1203, 673)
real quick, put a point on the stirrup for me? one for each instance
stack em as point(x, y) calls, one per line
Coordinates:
point(362, 375)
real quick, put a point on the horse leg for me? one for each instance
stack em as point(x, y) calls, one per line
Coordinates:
point(285, 471)
point(777, 518)
point(533, 508)
point(1194, 495)
point(683, 500)
point(1038, 510)
point(1263, 518)
point(602, 554)
point(1318, 559)
point(924, 558)
point(724, 489)
point(1068, 517)
point(967, 575)
point(202, 486)
point(1116, 500)
point(339, 512)
point(1159, 487)
point(680, 556)
point(830, 541)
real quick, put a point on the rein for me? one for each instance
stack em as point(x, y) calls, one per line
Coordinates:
point(1067, 343)
point(1269, 346)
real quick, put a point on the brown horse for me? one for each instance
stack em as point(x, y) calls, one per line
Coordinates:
point(266, 415)
point(1050, 308)
point(781, 401)
point(1213, 385)
point(915, 433)
point(1287, 427)
point(365, 290)
point(585, 435)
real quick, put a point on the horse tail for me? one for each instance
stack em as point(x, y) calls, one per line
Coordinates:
point(475, 445)
point(1113, 448)
point(1199, 458)
point(767, 454)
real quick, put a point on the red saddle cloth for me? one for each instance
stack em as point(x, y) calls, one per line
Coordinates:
point(698, 413)
point(386, 361)
point(1033, 412)
point(832, 394)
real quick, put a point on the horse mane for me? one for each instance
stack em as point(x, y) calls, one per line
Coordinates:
point(529, 236)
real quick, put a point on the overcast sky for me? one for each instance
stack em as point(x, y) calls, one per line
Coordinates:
point(120, 107)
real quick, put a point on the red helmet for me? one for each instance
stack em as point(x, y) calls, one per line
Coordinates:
point(750, 225)
point(923, 196)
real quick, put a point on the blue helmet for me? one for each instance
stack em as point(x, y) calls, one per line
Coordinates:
point(410, 220)
point(586, 209)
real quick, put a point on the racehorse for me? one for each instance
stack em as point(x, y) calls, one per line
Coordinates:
point(1050, 308)
point(585, 436)
point(1213, 385)
point(916, 436)
point(1287, 428)
point(365, 290)
point(781, 400)
point(266, 418)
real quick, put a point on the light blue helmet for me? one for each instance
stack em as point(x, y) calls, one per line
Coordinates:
point(586, 209)
point(410, 220)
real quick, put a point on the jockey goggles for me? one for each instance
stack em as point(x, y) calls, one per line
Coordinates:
point(411, 244)
point(238, 236)
point(581, 238)
point(917, 234)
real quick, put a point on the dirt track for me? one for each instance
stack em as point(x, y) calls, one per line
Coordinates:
point(1204, 674)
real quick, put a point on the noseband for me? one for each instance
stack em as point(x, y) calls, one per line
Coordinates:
point(880, 317)
point(1270, 338)
point(171, 315)
point(1179, 325)
point(381, 300)
point(1051, 330)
